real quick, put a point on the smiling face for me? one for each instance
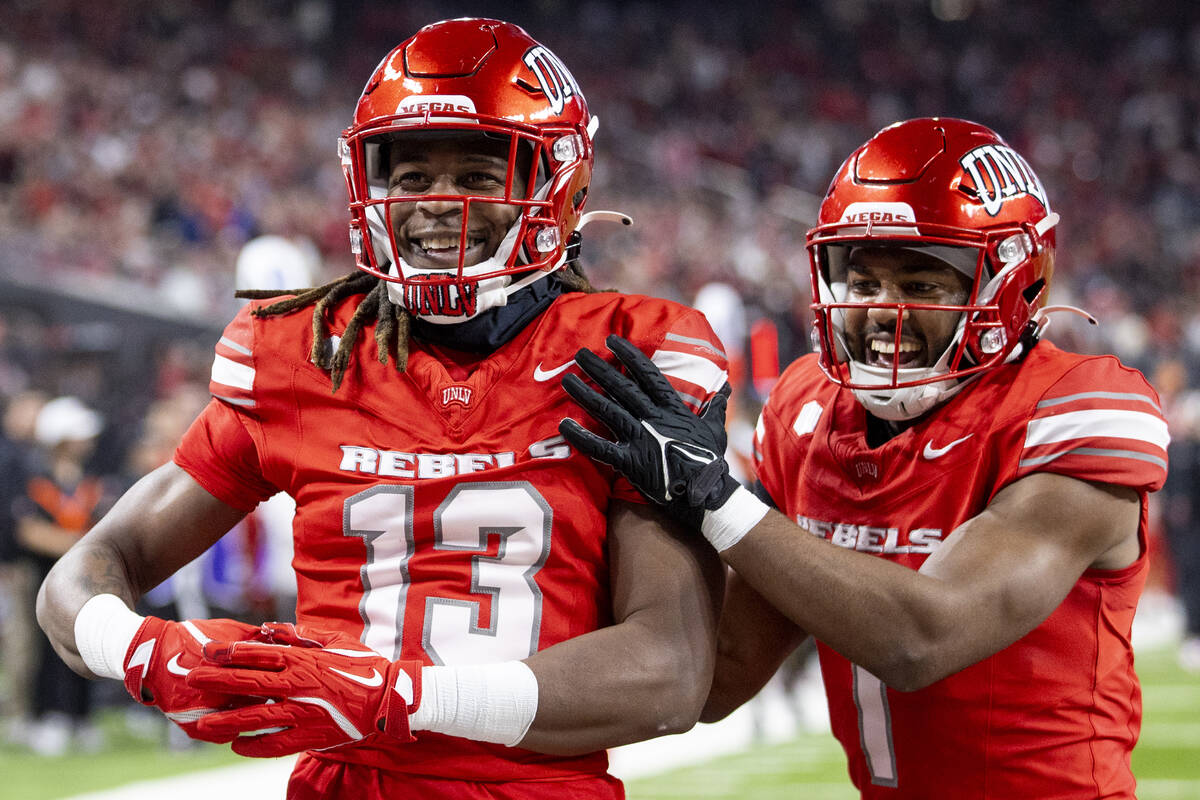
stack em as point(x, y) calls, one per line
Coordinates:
point(883, 275)
point(427, 231)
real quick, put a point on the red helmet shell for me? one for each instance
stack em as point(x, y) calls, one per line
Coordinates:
point(943, 181)
point(499, 67)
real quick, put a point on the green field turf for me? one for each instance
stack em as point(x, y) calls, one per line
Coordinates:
point(125, 758)
point(1167, 759)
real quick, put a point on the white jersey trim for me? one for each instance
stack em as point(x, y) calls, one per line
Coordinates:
point(696, 370)
point(1098, 423)
point(230, 373)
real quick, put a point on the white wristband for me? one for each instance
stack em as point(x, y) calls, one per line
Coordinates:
point(726, 526)
point(104, 629)
point(484, 702)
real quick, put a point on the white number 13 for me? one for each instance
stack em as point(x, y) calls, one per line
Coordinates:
point(452, 632)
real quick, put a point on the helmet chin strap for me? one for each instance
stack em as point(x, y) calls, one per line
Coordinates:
point(900, 404)
point(490, 292)
point(906, 403)
point(487, 332)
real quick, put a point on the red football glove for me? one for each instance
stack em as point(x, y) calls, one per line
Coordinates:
point(161, 655)
point(323, 690)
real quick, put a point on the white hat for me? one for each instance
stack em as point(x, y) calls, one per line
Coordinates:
point(273, 262)
point(66, 419)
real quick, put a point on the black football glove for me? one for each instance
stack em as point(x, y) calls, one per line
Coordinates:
point(671, 455)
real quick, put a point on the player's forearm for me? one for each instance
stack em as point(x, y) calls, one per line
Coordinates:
point(609, 687)
point(890, 620)
point(617, 685)
point(90, 568)
point(647, 674)
point(753, 641)
point(734, 683)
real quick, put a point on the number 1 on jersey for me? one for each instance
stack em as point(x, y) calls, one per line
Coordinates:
point(875, 727)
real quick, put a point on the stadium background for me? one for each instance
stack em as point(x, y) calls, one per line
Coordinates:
point(143, 144)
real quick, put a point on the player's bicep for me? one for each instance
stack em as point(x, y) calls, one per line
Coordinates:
point(1012, 565)
point(753, 639)
point(666, 582)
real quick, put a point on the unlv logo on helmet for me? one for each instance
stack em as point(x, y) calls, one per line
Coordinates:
point(555, 79)
point(1000, 174)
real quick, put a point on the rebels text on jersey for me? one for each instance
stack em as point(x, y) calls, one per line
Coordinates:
point(1055, 714)
point(440, 516)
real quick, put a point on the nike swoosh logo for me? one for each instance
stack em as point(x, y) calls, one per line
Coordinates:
point(930, 452)
point(540, 374)
point(174, 668)
point(375, 680)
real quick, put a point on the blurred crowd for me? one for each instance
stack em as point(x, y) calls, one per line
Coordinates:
point(144, 143)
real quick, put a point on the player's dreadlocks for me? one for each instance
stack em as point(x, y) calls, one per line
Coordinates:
point(392, 321)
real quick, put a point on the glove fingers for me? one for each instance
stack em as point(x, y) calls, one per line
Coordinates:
point(714, 414)
point(250, 655)
point(620, 388)
point(644, 371)
point(221, 629)
point(226, 726)
point(275, 745)
point(615, 418)
point(590, 444)
point(231, 680)
point(289, 634)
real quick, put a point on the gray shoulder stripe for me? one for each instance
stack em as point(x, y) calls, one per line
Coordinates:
point(1130, 396)
point(1093, 451)
point(674, 337)
point(235, 401)
point(232, 345)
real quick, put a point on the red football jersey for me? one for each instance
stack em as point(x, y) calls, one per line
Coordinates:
point(1055, 714)
point(440, 515)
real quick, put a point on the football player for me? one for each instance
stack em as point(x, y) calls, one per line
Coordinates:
point(954, 508)
point(481, 610)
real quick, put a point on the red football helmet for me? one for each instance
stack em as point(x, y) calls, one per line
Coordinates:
point(956, 191)
point(484, 78)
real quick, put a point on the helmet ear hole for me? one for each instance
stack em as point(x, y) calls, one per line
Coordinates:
point(577, 200)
